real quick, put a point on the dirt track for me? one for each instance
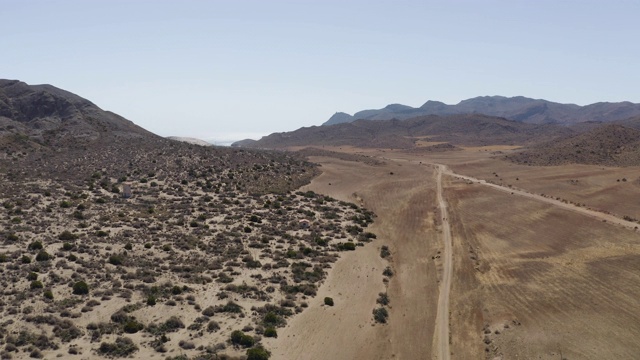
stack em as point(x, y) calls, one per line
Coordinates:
point(532, 276)
point(442, 319)
point(595, 214)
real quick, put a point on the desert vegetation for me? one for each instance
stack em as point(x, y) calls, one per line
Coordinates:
point(211, 251)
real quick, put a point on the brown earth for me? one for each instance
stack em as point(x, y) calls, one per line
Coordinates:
point(533, 276)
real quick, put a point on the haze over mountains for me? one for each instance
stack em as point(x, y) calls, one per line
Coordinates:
point(519, 108)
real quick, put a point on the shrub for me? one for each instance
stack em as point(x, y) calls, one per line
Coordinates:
point(258, 353)
point(239, 338)
point(67, 235)
point(210, 311)
point(122, 347)
point(32, 276)
point(348, 246)
point(48, 294)
point(132, 327)
point(388, 272)
point(116, 259)
point(25, 259)
point(151, 300)
point(384, 251)
point(3, 258)
point(36, 285)
point(383, 299)
point(80, 288)
point(65, 204)
point(213, 326)
point(36, 245)
point(380, 315)
point(270, 332)
point(43, 256)
point(328, 301)
point(67, 246)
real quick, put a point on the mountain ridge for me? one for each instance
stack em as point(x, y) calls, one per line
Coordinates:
point(518, 108)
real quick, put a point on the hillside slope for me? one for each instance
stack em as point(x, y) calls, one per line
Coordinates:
point(611, 145)
point(457, 129)
point(47, 115)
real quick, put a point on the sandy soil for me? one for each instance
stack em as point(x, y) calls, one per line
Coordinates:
point(533, 276)
point(406, 209)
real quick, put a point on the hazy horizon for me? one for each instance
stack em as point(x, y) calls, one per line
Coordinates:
point(219, 69)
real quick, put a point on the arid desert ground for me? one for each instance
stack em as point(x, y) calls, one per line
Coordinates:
point(549, 270)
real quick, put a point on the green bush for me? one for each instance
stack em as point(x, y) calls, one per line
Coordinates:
point(36, 245)
point(36, 285)
point(3, 258)
point(80, 288)
point(43, 256)
point(258, 353)
point(48, 294)
point(270, 332)
point(132, 327)
point(239, 338)
point(328, 301)
point(67, 246)
point(116, 259)
point(25, 259)
point(151, 300)
point(32, 276)
point(67, 235)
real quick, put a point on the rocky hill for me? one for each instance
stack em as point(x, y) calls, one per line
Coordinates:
point(522, 109)
point(610, 144)
point(47, 115)
point(115, 242)
point(456, 129)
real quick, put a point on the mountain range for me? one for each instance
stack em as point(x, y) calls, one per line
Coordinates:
point(519, 108)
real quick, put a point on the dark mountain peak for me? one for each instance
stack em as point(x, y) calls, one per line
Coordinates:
point(49, 115)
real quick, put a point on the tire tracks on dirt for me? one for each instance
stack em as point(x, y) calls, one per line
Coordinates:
point(584, 211)
point(441, 347)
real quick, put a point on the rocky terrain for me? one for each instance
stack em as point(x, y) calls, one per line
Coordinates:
point(519, 108)
point(610, 145)
point(116, 242)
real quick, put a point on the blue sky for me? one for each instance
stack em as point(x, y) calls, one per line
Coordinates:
point(227, 70)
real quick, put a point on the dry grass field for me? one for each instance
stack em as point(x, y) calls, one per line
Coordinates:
point(531, 279)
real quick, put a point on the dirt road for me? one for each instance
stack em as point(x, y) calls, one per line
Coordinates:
point(441, 346)
point(595, 214)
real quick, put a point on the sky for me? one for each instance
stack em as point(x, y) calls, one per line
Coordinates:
point(229, 70)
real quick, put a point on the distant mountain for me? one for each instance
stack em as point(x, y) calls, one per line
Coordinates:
point(338, 118)
point(47, 115)
point(609, 144)
point(455, 129)
point(519, 108)
point(190, 140)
